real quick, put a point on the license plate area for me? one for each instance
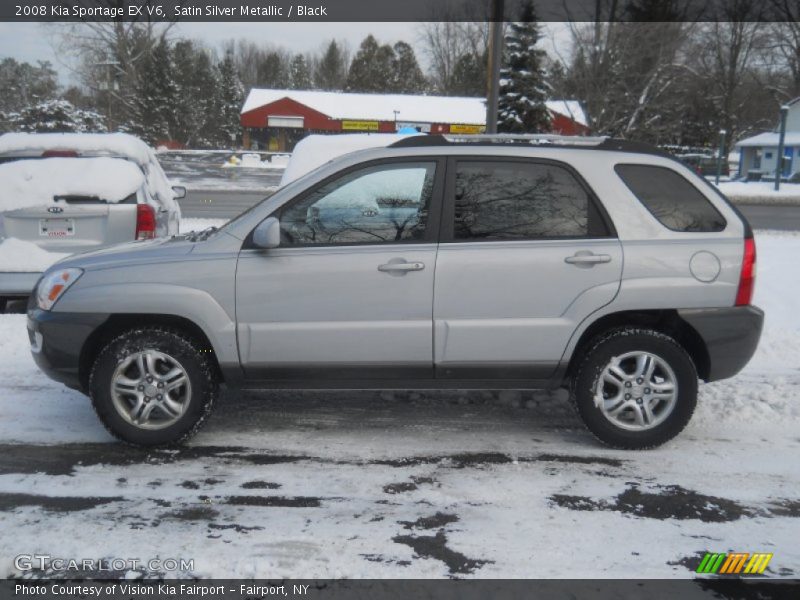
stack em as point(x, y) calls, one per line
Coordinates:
point(56, 228)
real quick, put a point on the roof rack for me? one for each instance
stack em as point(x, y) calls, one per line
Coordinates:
point(535, 138)
point(545, 139)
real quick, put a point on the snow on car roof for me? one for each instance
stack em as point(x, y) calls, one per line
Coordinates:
point(397, 107)
point(34, 182)
point(114, 144)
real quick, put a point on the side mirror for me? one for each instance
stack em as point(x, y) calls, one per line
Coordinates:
point(268, 234)
point(179, 191)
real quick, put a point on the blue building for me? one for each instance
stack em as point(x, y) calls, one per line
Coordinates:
point(758, 155)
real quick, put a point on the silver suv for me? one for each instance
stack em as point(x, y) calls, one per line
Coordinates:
point(599, 265)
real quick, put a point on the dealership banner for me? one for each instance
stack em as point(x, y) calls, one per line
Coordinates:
point(372, 589)
point(369, 10)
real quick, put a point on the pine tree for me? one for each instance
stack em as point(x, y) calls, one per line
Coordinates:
point(55, 116)
point(272, 71)
point(371, 67)
point(407, 77)
point(469, 76)
point(299, 73)
point(231, 94)
point(331, 71)
point(156, 97)
point(523, 86)
point(196, 81)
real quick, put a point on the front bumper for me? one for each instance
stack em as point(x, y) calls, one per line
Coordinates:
point(730, 334)
point(19, 285)
point(57, 340)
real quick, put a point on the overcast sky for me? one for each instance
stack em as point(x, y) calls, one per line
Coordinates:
point(30, 41)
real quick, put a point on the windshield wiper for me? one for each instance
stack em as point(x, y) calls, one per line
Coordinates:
point(197, 236)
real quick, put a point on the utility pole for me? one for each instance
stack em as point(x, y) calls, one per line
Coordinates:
point(781, 141)
point(720, 152)
point(493, 68)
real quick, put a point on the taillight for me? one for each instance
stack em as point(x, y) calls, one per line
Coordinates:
point(747, 279)
point(145, 222)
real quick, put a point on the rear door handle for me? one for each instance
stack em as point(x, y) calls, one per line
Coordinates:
point(401, 266)
point(587, 258)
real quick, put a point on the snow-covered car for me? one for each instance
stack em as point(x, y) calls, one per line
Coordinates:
point(67, 193)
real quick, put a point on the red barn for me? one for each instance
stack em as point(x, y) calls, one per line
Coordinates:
point(277, 119)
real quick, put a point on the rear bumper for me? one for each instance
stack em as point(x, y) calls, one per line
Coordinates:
point(57, 340)
point(18, 285)
point(730, 334)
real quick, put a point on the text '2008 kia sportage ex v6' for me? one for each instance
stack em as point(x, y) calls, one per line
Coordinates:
point(600, 265)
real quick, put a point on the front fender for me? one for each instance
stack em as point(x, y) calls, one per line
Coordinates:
point(196, 305)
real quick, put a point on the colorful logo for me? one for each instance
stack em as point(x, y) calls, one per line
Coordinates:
point(734, 563)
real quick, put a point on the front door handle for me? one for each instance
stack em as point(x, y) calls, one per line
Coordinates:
point(401, 267)
point(586, 258)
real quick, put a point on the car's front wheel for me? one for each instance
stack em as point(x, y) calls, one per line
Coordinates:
point(153, 386)
point(635, 388)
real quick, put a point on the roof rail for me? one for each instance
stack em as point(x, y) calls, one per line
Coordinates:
point(500, 138)
point(546, 139)
point(534, 138)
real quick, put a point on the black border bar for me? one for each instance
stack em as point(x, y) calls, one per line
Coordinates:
point(287, 11)
point(375, 589)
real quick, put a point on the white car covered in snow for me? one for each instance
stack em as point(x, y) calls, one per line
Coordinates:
point(67, 193)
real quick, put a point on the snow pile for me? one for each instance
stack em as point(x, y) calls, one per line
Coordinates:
point(315, 150)
point(19, 256)
point(761, 192)
point(252, 160)
point(35, 182)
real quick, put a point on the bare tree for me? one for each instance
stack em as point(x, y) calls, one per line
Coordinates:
point(724, 58)
point(107, 56)
point(458, 37)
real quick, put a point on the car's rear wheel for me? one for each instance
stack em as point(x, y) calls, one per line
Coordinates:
point(152, 386)
point(635, 388)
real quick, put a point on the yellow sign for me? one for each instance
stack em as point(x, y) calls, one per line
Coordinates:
point(359, 125)
point(467, 128)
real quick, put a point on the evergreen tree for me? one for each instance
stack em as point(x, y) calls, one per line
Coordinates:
point(469, 76)
point(156, 97)
point(407, 76)
point(230, 96)
point(299, 73)
point(272, 71)
point(331, 71)
point(24, 84)
point(197, 83)
point(371, 68)
point(56, 116)
point(523, 87)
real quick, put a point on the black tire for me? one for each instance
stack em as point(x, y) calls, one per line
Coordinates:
point(198, 367)
point(617, 343)
point(3, 302)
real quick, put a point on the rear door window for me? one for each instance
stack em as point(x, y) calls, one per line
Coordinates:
point(671, 198)
point(521, 200)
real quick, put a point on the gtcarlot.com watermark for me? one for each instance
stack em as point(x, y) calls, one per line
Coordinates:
point(46, 562)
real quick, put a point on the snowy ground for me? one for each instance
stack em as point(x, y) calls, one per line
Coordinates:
point(205, 170)
point(432, 484)
point(760, 192)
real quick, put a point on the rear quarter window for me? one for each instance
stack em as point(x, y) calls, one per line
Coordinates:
point(671, 198)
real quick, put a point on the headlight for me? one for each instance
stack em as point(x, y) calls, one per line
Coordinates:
point(53, 285)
